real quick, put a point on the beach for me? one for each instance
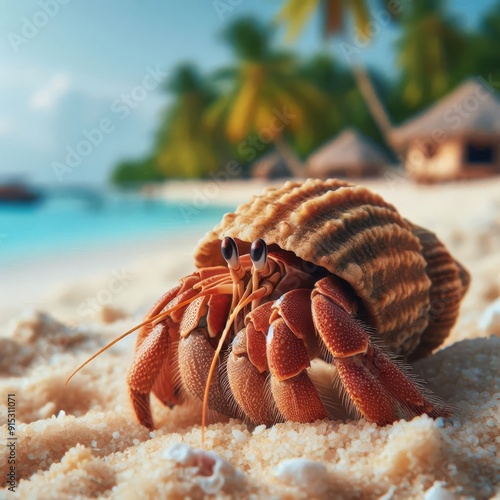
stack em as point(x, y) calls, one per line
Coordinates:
point(83, 441)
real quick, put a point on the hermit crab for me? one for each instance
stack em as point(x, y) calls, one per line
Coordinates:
point(312, 273)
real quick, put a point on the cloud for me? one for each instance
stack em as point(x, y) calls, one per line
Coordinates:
point(47, 97)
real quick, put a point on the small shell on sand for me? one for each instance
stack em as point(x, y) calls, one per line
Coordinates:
point(205, 468)
point(305, 474)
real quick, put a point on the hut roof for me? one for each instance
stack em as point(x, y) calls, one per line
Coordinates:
point(270, 166)
point(473, 107)
point(349, 148)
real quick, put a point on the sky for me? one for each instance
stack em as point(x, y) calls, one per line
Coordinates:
point(80, 80)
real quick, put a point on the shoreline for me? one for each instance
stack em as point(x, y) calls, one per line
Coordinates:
point(59, 283)
point(46, 282)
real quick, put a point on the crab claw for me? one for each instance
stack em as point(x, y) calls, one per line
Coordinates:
point(379, 388)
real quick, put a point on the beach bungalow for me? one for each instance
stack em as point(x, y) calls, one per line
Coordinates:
point(350, 154)
point(270, 166)
point(456, 138)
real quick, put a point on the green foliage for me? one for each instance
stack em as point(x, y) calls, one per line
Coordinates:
point(482, 54)
point(262, 86)
point(220, 117)
point(186, 146)
point(134, 172)
point(431, 48)
point(347, 107)
point(249, 39)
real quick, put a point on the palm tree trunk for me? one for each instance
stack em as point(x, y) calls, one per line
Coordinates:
point(376, 107)
point(290, 158)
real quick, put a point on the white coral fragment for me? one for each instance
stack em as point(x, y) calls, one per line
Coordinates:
point(304, 474)
point(205, 468)
point(490, 320)
point(438, 492)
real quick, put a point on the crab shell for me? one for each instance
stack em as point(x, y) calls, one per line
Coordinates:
point(410, 285)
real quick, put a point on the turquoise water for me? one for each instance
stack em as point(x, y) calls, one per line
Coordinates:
point(57, 225)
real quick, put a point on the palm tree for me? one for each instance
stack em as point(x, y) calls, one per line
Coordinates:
point(263, 94)
point(430, 48)
point(186, 146)
point(296, 13)
point(339, 83)
point(482, 51)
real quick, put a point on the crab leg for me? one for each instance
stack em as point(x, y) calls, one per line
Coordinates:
point(249, 387)
point(148, 365)
point(196, 351)
point(294, 393)
point(247, 368)
point(155, 365)
point(195, 358)
point(153, 347)
point(291, 344)
point(380, 390)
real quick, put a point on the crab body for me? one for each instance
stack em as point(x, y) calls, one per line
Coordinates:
point(329, 273)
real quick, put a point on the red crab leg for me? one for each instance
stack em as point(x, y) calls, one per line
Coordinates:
point(248, 371)
point(294, 393)
point(154, 366)
point(195, 358)
point(291, 344)
point(249, 386)
point(153, 348)
point(381, 391)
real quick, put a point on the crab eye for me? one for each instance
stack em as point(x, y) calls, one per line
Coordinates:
point(258, 254)
point(230, 251)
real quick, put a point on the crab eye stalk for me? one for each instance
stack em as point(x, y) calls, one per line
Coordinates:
point(258, 254)
point(230, 252)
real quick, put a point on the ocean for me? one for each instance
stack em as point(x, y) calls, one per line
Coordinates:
point(66, 223)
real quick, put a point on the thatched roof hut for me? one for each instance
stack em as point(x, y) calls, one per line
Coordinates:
point(349, 154)
point(270, 166)
point(458, 137)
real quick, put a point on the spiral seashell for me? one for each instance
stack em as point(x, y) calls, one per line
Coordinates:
point(409, 284)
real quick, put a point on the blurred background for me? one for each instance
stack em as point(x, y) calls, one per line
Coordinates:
point(128, 128)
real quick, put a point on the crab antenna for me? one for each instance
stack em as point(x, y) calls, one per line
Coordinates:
point(153, 321)
point(229, 251)
point(161, 316)
point(242, 303)
point(106, 347)
point(245, 300)
point(253, 292)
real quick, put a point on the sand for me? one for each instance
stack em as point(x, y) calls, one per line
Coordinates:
point(82, 441)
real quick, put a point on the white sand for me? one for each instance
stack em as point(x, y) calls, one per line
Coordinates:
point(83, 440)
